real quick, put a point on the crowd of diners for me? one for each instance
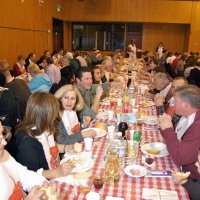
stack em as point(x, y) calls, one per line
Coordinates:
point(46, 104)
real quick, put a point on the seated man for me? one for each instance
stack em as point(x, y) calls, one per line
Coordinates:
point(8, 107)
point(163, 85)
point(107, 68)
point(17, 86)
point(183, 141)
point(66, 71)
point(84, 84)
point(162, 106)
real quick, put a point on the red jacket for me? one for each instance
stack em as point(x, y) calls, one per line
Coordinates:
point(184, 153)
point(16, 70)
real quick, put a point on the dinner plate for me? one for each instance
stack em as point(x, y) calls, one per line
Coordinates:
point(82, 162)
point(146, 103)
point(99, 132)
point(158, 146)
point(143, 81)
point(151, 120)
point(108, 99)
point(102, 114)
point(135, 171)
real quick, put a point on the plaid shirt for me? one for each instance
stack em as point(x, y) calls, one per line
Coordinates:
point(175, 117)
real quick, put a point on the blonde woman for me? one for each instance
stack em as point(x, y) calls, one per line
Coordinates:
point(69, 128)
point(40, 82)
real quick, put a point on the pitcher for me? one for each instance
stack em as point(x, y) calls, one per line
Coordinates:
point(112, 169)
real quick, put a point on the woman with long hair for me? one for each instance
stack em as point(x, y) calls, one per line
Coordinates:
point(33, 145)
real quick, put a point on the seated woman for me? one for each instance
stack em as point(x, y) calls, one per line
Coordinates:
point(96, 75)
point(13, 177)
point(192, 187)
point(40, 82)
point(71, 101)
point(33, 145)
point(18, 68)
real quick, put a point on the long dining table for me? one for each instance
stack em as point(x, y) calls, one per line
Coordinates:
point(128, 188)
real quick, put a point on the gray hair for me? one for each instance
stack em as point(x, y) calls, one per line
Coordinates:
point(190, 94)
point(65, 59)
point(69, 55)
point(107, 62)
point(161, 77)
point(181, 78)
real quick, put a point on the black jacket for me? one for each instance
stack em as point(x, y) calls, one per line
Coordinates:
point(28, 151)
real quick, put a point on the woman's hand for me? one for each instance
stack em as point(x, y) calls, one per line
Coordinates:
point(55, 190)
point(165, 121)
point(65, 168)
point(36, 194)
point(69, 148)
point(88, 133)
point(86, 120)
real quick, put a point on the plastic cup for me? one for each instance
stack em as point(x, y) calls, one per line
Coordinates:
point(133, 101)
point(110, 114)
point(88, 144)
point(92, 196)
point(132, 135)
point(111, 129)
point(119, 102)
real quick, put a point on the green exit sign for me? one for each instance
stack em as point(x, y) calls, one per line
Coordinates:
point(58, 8)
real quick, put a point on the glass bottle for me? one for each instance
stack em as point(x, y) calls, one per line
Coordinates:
point(123, 126)
point(112, 169)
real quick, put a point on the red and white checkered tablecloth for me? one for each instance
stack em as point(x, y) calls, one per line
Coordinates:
point(128, 188)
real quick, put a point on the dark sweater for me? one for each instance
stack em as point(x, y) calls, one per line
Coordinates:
point(193, 189)
point(28, 151)
point(8, 108)
point(19, 88)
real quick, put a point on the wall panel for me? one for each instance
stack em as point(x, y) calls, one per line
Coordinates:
point(24, 27)
point(129, 11)
point(173, 36)
point(13, 45)
point(194, 37)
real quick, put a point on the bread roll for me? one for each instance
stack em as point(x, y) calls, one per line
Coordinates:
point(183, 175)
point(83, 175)
point(153, 151)
point(100, 125)
point(48, 193)
point(78, 147)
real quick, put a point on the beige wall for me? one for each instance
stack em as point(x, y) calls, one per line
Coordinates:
point(129, 11)
point(24, 26)
point(194, 36)
point(173, 36)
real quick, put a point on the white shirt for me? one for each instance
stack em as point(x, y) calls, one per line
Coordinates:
point(132, 48)
point(82, 61)
point(47, 142)
point(165, 90)
point(12, 172)
point(70, 120)
point(183, 124)
point(171, 101)
point(107, 75)
point(160, 52)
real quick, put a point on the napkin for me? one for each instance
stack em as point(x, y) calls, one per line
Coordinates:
point(113, 198)
point(156, 194)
